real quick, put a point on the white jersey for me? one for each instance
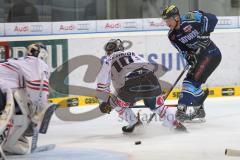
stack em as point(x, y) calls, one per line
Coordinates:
point(116, 67)
point(28, 72)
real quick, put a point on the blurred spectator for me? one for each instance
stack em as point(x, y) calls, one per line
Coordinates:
point(23, 11)
point(90, 11)
point(153, 8)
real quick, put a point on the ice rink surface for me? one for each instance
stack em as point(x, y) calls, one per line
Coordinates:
point(102, 138)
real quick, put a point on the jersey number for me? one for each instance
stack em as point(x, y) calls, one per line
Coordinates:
point(122, 62)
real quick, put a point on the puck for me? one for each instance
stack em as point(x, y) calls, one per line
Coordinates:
point(138, 142)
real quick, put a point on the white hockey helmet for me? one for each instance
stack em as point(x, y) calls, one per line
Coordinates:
point(38, 50)
point(113, 45)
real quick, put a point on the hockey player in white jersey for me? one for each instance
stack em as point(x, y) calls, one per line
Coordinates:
point(133, 79)
point(27, 79)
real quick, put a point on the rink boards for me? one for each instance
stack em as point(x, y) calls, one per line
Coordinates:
point(84, 101)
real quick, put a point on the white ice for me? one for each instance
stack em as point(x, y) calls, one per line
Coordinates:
point(102, 139)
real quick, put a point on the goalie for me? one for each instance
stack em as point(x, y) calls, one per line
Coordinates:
point(133, 79)
point(27, 79)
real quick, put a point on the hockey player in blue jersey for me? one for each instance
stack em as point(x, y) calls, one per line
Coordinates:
point(190, 35)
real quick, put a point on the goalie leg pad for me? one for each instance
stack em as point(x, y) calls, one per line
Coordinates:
point(16, 143)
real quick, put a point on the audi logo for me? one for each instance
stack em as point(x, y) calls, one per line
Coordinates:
point(130, 25)
point(83, 26)
point(36, 28)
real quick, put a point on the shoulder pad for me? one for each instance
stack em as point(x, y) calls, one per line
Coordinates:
point(192, 16)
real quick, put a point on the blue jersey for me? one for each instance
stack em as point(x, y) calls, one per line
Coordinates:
point(192, 25)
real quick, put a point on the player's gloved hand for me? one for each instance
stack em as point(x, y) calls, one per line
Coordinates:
point(105, 107)
point(191, 59)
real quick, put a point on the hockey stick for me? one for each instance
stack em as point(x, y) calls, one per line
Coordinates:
point(232, 152)
point(41, 115)
point(143, 106)
point(46, 118)
point(41, 128)
point(168, 93)
point(36, 128)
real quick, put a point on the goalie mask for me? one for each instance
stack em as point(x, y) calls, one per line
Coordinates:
point(114, 45)
point(37, 50)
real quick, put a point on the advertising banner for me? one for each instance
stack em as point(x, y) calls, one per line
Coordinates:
point(2, 29)
point(30, 28)
point(154, 24)
point(99, 26)
point(227, 22)
point(119, 25)
point(73, 27)
point(156, 48)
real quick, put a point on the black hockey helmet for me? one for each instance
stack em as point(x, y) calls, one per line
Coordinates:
point(113, 45)
point(170, 11)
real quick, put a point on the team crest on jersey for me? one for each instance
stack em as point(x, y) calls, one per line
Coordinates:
point(187, 29)
point(193, 34)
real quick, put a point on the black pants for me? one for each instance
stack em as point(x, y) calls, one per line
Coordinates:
point(207, 63)
point(139, 84)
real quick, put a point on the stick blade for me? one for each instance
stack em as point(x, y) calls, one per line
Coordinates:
point(232, 152)
point(46, 119)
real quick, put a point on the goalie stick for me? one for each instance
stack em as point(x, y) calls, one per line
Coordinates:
point(46, 118)
point(42, 128)
point(37, 128)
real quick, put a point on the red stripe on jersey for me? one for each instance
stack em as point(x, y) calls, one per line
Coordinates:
point(37, 88)
point(9, 67)
point(46, 82)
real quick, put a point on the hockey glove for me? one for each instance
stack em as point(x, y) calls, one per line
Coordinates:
point(105, 107)
point(191, 59)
